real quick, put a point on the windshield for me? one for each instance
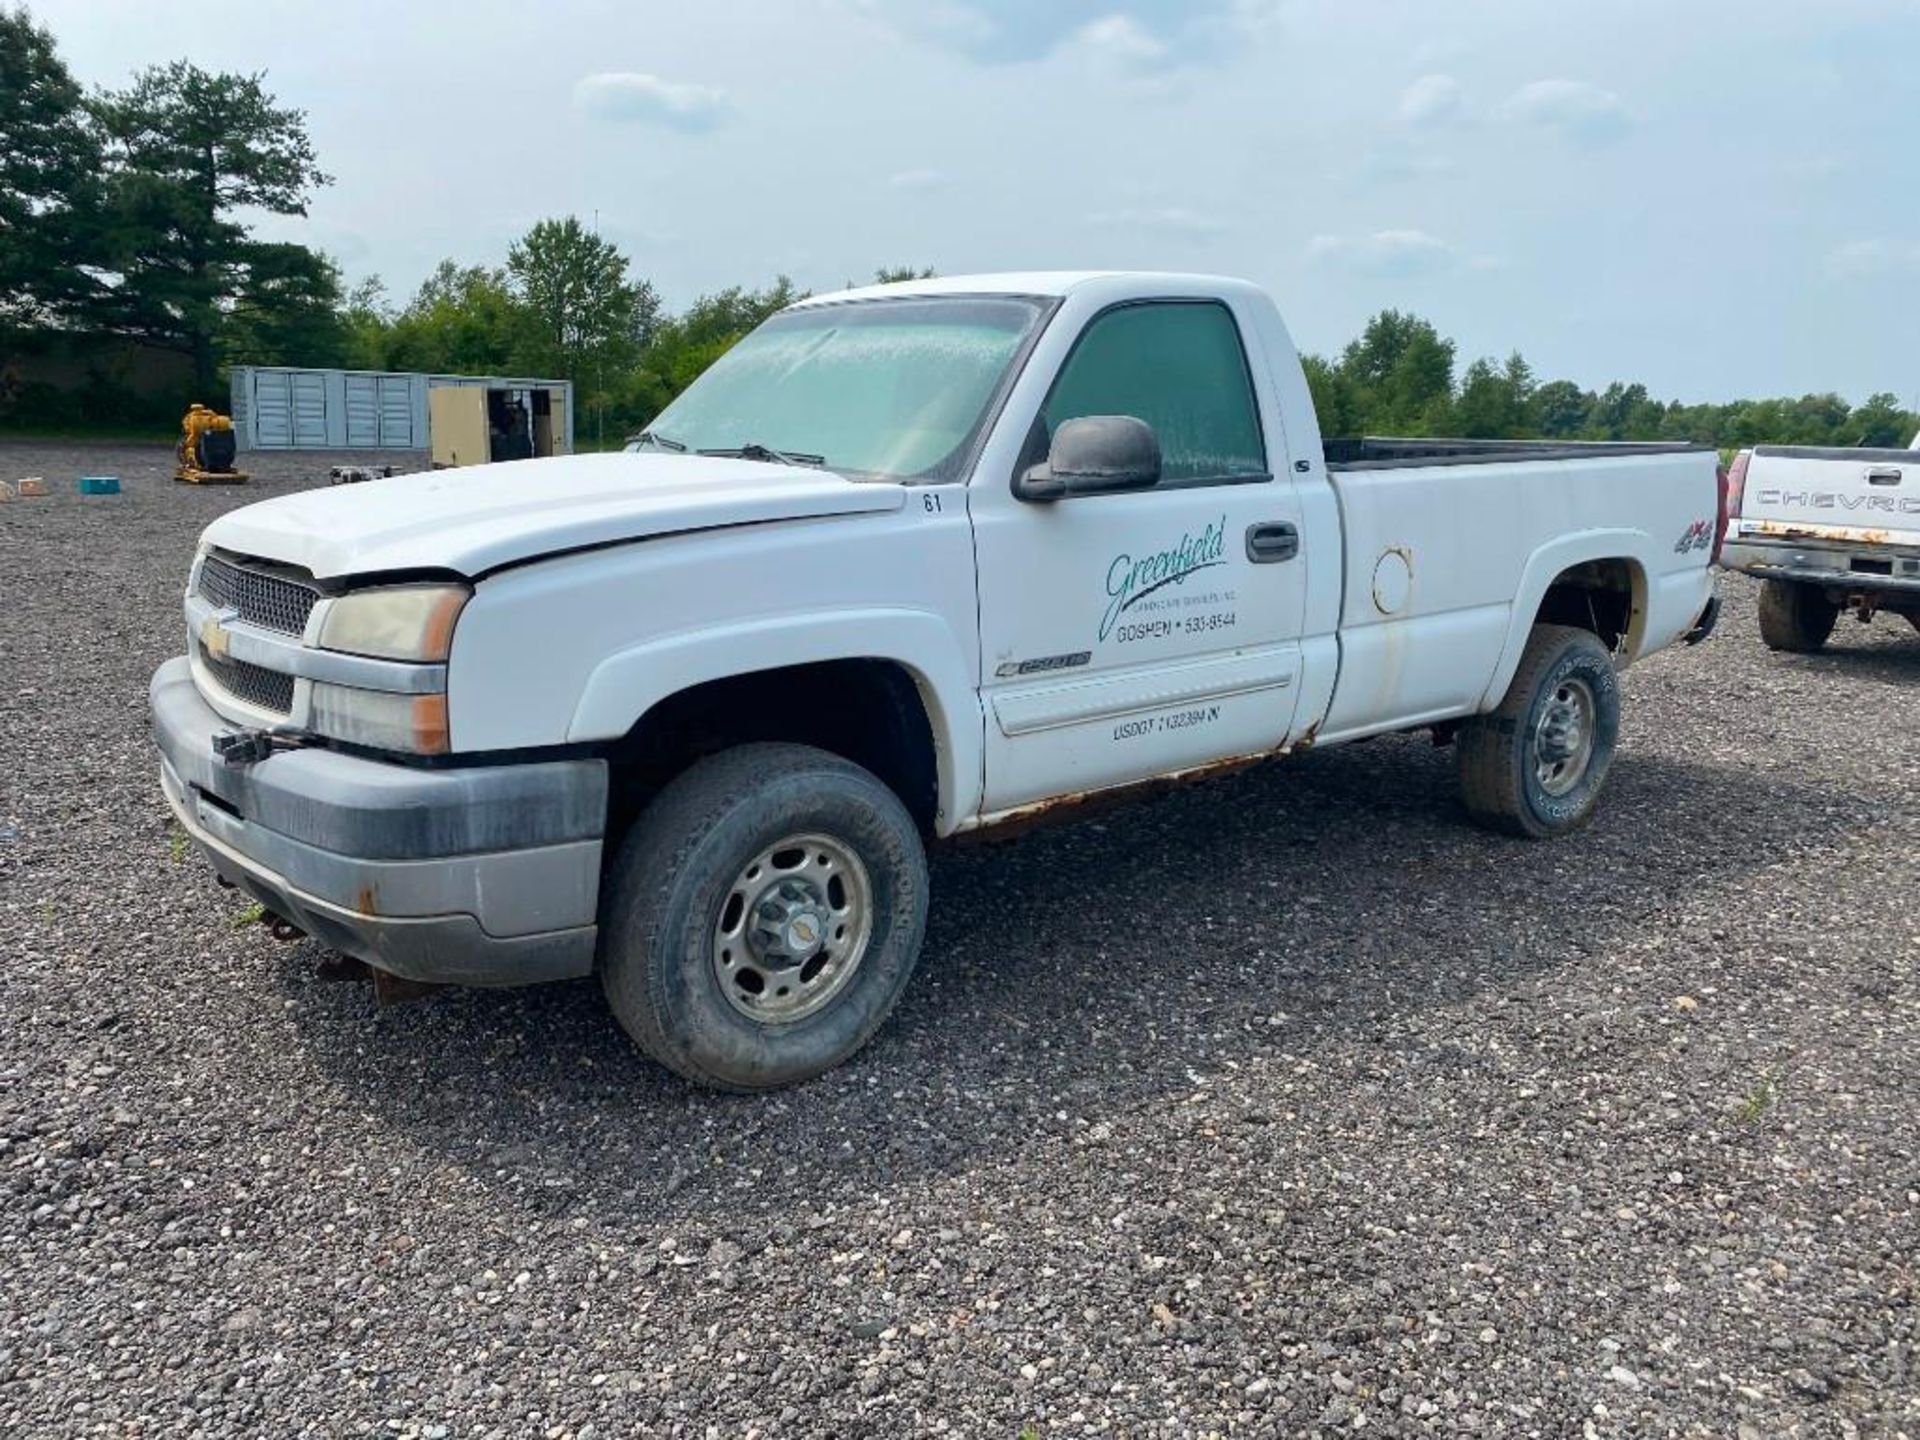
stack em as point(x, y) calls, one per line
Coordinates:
point(881, 389)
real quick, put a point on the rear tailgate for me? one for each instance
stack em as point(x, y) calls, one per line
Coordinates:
point(1866, 497)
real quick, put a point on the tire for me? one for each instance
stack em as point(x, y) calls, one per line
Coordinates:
point(686, 932)
point(1795, 618)
point(1523, 768)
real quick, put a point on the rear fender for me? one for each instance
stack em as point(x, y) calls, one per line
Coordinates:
point(1546, 565)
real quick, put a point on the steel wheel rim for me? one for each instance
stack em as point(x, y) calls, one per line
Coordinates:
point(1563, 736)
point(792, 929)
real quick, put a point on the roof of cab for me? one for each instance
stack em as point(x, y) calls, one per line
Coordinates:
point(1017, 282)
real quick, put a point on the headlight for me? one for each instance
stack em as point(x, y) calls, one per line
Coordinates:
point(380, 719)
point(395, 622)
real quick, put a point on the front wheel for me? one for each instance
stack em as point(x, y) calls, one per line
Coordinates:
point(1535, 766)
point(765, 913)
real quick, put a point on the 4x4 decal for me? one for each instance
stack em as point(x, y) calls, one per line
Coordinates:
point(1699, 536)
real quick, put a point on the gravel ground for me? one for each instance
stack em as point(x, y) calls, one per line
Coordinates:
point(1287, 1104)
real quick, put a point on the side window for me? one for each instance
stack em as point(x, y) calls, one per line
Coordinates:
point(1179, 367)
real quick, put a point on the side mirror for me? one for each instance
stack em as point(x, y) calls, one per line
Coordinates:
point(1095, 455)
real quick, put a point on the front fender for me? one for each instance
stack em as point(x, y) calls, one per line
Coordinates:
point(626, 685)
point(1543, 567)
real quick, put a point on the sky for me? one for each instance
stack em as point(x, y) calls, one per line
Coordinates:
point(1719, 198)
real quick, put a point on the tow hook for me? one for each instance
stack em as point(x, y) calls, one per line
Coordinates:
point(283, 929)
point(238, 748)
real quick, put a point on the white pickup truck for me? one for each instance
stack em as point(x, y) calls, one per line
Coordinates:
point(1826, 531)
point(908, 561)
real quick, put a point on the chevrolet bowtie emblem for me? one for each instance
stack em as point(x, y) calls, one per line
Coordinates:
point(215, 638)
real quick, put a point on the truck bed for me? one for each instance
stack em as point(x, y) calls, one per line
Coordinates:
point(1438, 537)
point(1380, 452)
point(1836, 452)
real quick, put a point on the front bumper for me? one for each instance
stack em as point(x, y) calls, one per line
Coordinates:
point(487, 875)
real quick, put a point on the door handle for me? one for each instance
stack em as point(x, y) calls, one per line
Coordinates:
point(1271, 541)
point(1885, 475)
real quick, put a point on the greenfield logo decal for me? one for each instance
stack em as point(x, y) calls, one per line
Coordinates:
point(1129, 581)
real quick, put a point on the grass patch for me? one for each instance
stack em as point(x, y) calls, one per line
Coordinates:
point(252, 915)
point(105, 435)
point(1760, 1099)
point(177, 845)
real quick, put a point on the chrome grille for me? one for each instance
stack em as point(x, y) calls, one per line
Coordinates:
point(259, 597)
point(252, 684)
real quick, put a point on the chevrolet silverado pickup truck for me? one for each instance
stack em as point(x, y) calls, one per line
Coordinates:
point(1826, 531)
point(908, 561)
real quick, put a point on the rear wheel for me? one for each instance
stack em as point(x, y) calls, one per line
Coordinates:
point(1794, 617)
point(1536, 765)
point(765, 913)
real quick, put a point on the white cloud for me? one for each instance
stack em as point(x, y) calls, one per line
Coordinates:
point(1431, 100)
point(1137, 33)
point(1385, 252)
point(1581, 112)
point(1873, 260)
point(916, 180)
point(1166, 219)
point(1118, 40)
point(628, 96)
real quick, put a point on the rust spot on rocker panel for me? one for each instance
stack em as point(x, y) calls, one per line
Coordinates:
point(1007, 823)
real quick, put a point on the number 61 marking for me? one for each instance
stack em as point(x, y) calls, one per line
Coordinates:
point(930, 502)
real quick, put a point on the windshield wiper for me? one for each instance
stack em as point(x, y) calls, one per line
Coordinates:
point(665, 442)
point(752, 451)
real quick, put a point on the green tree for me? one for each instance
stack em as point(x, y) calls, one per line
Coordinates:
point(588, 316)
point(1494, 401)
point(366, 323)
point(188, 152)
point(1626, 412)
point(1334, 402)
point(1558, 410)
point(286, 311)
point(1402, 371)
point(462, 319)
point(1881, 423)
point(895, 274)
point(49, 171)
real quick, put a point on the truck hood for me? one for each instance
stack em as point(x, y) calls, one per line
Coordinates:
point(480, 517)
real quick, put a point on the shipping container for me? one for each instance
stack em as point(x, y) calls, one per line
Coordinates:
point(281, 408)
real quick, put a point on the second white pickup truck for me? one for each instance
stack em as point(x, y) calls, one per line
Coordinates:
point(907, 561)
point(1826, 531)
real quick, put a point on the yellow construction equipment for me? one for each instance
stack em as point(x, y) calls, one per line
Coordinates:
point(206, 450)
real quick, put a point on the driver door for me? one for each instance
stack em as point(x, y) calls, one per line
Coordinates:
point(1129, 635)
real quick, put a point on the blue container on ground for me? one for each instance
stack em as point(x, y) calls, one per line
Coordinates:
point(99, 484)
